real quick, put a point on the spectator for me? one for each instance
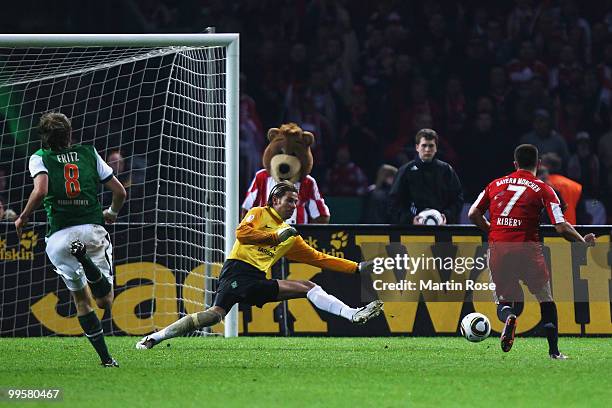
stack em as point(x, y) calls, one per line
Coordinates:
point(376, 209)
point(117, 162)
point(600, 35)
point(571, 118)
point(364, 145)
point(604, 151)
point(526, 66)
point(3, 180)
point(421, 104)
point(308, 118)
point(604, 69)
point(501, 94)
point(577, 29)
point(438, 35)
point(484, 136)
point(325, 100)
point(454, 109)
point(567, 74)
point(521, 20)
point(426, 182)
point(251, 136)
point(569, 189)
point(345, 178)
point(498, 47)
point(543, 174)
point(534, 97)
point(583, 166)
point(475, 66)
point(596, 102)
point(6, 214)
point(133, 180)
point(546, 139)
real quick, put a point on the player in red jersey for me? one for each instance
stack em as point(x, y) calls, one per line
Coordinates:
point(514, 203)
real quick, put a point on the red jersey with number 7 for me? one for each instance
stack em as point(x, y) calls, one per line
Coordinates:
point(515, 203)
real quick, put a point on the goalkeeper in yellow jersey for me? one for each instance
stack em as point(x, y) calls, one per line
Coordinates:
point(262, 238)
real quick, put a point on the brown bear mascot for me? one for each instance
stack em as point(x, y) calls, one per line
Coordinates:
point(288, 157)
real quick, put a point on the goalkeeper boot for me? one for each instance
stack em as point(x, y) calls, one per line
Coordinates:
point(110, 363)
point(367, 312)
point(558, 356)
point(507, 336)
point(77, 249)
point(146, 343)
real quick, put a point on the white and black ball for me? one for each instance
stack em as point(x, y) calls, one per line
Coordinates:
point(475, 327)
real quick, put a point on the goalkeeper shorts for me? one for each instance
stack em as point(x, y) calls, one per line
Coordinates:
point(241, 282)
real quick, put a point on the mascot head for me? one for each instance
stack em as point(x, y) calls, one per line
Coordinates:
point(288, 156)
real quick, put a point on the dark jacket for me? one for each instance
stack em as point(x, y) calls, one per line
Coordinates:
point(420, 185)
point(376, 208)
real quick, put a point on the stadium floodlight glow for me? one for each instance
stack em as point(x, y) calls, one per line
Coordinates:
point(169, 103)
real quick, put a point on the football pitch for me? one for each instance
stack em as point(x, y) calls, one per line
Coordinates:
point(323, 372)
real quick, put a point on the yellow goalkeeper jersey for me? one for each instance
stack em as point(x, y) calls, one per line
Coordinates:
point(257, 244)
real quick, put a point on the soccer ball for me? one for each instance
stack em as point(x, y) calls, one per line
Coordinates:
point(475, 327)
point(430, 217)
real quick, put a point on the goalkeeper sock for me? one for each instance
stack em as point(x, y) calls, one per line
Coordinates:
point(93, 330)
point(324, 301)
point(100, 286)
point(503, 311)
point(187, 324)
point(550, 324)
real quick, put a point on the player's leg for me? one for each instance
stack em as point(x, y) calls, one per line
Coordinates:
point(550, 322)
point(538, 281)
point(507, 289)
point(91, 325)
point(93, 249)
point(69, 269)
point(184, 325)
point(289, 289)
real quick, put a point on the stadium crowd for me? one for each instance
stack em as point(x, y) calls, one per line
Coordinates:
point(365, 76)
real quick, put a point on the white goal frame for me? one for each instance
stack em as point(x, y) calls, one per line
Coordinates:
point(232, 102)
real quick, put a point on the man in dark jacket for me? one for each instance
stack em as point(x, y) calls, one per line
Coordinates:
point(426, 182)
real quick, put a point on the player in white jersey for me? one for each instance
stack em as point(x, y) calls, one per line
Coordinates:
point(66, 179)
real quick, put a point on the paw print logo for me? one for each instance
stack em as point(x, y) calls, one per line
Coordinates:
point(339, 240)
point(28, 240)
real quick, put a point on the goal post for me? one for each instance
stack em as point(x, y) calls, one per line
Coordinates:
point(170, 103)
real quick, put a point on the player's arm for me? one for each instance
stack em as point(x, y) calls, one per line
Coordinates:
point(119, 196)
point(565, 229)
point(477, 211)
point(41, 186)
point(478, 218)
point(249, 231)
point(302, 252)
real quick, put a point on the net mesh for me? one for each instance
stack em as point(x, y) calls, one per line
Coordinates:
point(158, 117)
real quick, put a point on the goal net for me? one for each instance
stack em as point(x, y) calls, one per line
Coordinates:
point(162, 111)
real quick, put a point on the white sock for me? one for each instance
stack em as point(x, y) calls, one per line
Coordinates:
point(182, 326)
point(324, 301)
point(158, 336)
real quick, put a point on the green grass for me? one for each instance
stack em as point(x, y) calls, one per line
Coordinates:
point(324, 372)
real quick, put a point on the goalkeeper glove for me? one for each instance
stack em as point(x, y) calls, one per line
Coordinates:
point(286, 233)
point(365, 266)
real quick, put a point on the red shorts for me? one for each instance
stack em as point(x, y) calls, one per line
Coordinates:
point(511, 263)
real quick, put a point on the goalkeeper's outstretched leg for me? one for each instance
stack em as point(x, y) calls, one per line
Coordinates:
point(258, 292)
point(184, 325)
